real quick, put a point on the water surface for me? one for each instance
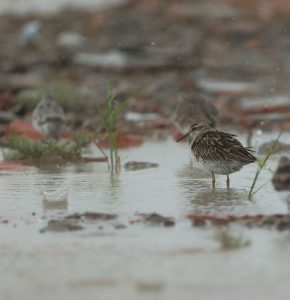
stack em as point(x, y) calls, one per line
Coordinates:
point(138, 261)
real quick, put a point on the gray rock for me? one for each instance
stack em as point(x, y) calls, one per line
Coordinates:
point(61, 226)
point(281, 178)
point(70, 40)
point(6, 117)
point(139, 165)
point(113, 59)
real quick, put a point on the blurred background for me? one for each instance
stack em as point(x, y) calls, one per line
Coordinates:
point(236, 52)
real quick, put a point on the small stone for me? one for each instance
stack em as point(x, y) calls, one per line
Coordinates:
point(112, 60)
point(6, 117)
point(30, 31)
point(156, 219)
point(199, 222)
point(283, 225)
point(132, 116)
point(91, 216)
point(120, 226)
point(61, 226)
point(139, 165)
point(216, 86)
point(281, 178)
point(70, 40)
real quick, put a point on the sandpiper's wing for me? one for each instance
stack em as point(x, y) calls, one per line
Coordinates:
point(221, 146)
point(211, 112)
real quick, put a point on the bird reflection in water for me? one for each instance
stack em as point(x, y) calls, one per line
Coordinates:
point(202, 199)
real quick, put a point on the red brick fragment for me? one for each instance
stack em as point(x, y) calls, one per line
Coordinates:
point(11, 166)
point(23, 128)
point(123, 141)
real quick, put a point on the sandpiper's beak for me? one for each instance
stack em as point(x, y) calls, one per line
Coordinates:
point(183, 137)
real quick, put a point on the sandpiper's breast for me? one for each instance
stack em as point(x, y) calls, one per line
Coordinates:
point(221, 167)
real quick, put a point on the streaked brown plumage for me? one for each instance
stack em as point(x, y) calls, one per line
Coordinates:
point(194, 110)
point(216, 151)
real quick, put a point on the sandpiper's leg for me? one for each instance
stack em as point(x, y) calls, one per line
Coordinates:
point(213, 180)
point(228, 181)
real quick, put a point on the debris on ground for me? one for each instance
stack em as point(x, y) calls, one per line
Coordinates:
point(154, 219)
point(279, 222)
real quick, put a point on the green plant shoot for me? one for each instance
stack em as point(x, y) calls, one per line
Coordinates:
point(261, 166)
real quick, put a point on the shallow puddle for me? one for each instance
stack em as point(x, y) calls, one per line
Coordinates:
point(104, 260)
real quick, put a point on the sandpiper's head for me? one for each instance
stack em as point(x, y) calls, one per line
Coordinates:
point(195, 130)
point(48, 97)
point(198, 127)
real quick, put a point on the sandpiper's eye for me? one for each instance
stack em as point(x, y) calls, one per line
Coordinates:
point(192, 128)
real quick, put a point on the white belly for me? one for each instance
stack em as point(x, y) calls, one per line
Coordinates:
point(217, 167)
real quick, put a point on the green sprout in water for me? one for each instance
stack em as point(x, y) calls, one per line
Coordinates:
point(261, 166)
point(109, 117)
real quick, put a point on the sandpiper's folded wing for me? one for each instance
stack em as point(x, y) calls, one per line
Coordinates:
point(221, 146)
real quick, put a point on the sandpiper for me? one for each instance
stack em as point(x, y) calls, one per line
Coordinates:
point(216, 151)
point(48, 118)
point(194, 110)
